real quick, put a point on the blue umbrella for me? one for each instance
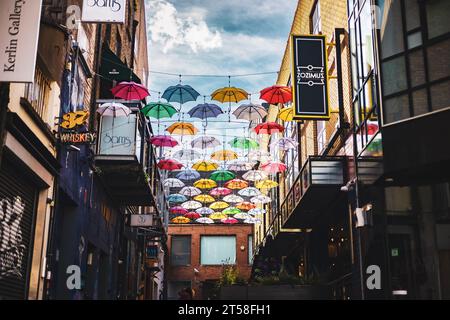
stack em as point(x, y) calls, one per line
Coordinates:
point(205, 111)
point(176, 198)
point(180, 93)
point(188, 175)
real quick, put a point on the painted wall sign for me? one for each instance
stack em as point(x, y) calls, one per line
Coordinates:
point(309, 77)
point(19, 34)
point(141, 220)
point(106, 11)
point(118, 135)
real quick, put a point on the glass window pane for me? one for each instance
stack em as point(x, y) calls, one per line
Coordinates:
point(440, 96)
point(416, 68)
point(420, 102)
point(218, 250)
point(250, 249)
point(395, 109)
point(353, 55)
point(412, 14)
point(394, 76)
point(391, 28)
point(414, 40)
point(366, 38)
point(437, 17)
point(181, 251)
point(439, 60)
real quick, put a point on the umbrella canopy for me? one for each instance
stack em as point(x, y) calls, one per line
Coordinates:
point(276, 94)
point(191, 205)
point(113, 109)
point(205, 142)
point(163, 141)
point(173, 183)
point(261, 156)
point(205, 111)
point(182, 128)
point(190, 191)
point(236, 184)
point(222, 175)
point(204, 220)
point(180, 93)
point(176, 198)
point(229, 221)
point(181, 220)
point(218, 216)
point(224, 155)
point(250, 112)
point(218, 192)
point(257, 211)
point(240, 166)
point(266, 184)
point(261, 199)
point(204, 211)
point(231, 211)
point(188, 174)
point(219, 205)
point(244, 143)
point(193, 215)
point(205, 166)
point(242, 216)
point(204, 198)
point(246, 206)
point(285, 144)
point(130, 91)
point(255, 175)
point(187, 155)
point(229, 94)
point(252, 220)
point(249, 192)
point(286, 114)
point(205, 184)
point(158, 110)
point(232, 198)
point(269, 128)
point(178, 210)
point(170, 165)
point(273, 167)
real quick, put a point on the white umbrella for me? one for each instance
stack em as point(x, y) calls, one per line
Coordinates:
point(232, 198)
point(250, 192)
point(191, 205)
point(285, 144)
point(261, 199)
point(255, 175)
point(173, 183)
point(187, 155)
point(190, 191)
point(204, 220)
point(252, 220)
point(205, 142)
point(240, 166)
point(250, 112)
point(261, 156)
point(256, 211)
point(204, 211)
point(113, 109)
point(242, 216)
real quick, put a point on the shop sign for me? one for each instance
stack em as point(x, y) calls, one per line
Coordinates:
point(106, 11)
point(70, 124)
point(151, 252)
point(118, 135)
point(141, 220)
point(309, 77)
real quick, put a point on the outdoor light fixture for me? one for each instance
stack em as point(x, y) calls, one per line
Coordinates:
point(242, 248)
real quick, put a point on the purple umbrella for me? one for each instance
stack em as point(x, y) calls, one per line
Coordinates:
point(285, 144)
point(205, 111)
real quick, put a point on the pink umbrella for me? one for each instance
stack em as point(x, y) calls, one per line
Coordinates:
point(273, 167)
point(229, 221)
point(217, 192)
point(170, 165)
point(178, 210)
point(130, 91)
point(163, 141)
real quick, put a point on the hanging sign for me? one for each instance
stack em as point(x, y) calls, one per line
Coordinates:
point(309, 77)
point(106, 11)
point(19, 34)
point(70, 124)
point(141, 220)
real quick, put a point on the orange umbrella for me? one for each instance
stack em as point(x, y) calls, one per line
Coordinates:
point(181, 220)
point(246, 206)
point(236, 184)
point(182, 128)
point(224, 155)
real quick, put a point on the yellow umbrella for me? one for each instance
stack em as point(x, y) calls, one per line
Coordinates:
point(205, 184)
point(266, 184)
point(224, 155)
point(229, 94)
point(204, 198)
point(218, 216)
point(181, 220)
point(286, 114)
point(182, 128)
point(219, 205)
point(205, 166)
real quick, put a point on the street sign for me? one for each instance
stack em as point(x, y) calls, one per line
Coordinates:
point(309, 77)
point(104, 11)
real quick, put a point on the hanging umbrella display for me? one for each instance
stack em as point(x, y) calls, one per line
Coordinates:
point(204, 211)
point(252, 220)
point(261, 199)
point(181, 220)
point(286, 114)
point(180, 93)
point(192, 215)
point(190, 191)
point(183, 129)
point(191, 205)
point(261, 156)
point(273, 167)
point(229, 94)
point(222, 175)
point(266, 184)
point(187, 155)
point(218, 216)
point(231, 211)
point(232, 198)
point(204, 198)
point(276, 94)
point(178, 210)
point(158, 110)
point(205, 111)
point(205, 184)
point(218, 192)
point(229, 221)
point(285, 144)
point(240, 166)
point(219, 205)
point(255, 175)
point(163, 141)
point(173, 183)
point(170, 165)
point(204, 220)
point(188, 175)
point(113, 109)
point(176, 198)
point(245, 206)
point(130, 91)
point(269, 128)
point(205, 166)
point(244, 143)
point(257, 211)
point(242, 216)
point(249, 192)
point(224, 155)
point(205, 142)
point(250, 112)
point(236, 184)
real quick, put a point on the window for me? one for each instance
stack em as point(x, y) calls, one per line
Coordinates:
point(217, 250)
point(391, 28)
point(437, 17)
point(321, 136)
point(316, 21)
point(250, 249)
point(180, 254)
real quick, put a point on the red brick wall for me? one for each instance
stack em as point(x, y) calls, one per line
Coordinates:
point(186, 273)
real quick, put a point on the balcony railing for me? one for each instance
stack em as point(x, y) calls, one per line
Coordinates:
point(38, 93)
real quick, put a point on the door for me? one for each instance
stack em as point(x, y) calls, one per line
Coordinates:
point(444, 267)
point(401, 266)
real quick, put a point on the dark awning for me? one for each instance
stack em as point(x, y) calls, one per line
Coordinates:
point(112, 68)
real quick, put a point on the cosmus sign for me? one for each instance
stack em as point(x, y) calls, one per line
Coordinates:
point(107, 11)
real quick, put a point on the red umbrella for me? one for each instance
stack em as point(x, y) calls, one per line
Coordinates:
point(220, 192)
point(130, 91)
point(273, 167)
point(163, 141)
point(170, 165)
point(178, 210)
point(192, 215)
point(372, 129)
point(269, 128)
point(229, 221)
point(277, 94)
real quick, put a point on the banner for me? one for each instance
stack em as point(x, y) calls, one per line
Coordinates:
point(19, 35)
point(309, 77)
point(107, 11)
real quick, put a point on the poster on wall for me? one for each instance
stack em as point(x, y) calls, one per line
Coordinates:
point(19, 35)
point(104, 11)
point(309, 77)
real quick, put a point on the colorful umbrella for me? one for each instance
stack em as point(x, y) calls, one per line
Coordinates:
point(188, 174)
point(180, 93)
point(193, 215)
point(285, 144)
point(218, 216)
point(176, 198)
point(205, 166)
point(187, 155)
point(231, 211)
point(163, 141)
point(218, 192)
point(191, 205)
point(236, 184)
point(204, 220)
point(222, 175)
point(170, 165)
point(257, 211)
point(205, 184)
point(113, 109)
point(229, 221)
point(173, 183)
point(229, 94)
point(269, 128)
point(273, 167)
point(244, 143)
point(205, 142)
point(232, 198)
point(261, 199)
point(261, 156)
point(240, 166)
point(158, 110)
point(224, 155)
point(250, 112)
point(178, 210)
point(245, 206)
point(242, 216)
point(183, 128)
point(190, 191)
point(252, 220)
point(204, 211)
point(249, 192)
point(286, 114)
point(266, 184)
point(130, 91)
point(204, 198)
point(255, 175)
point(181, 220)
point(276, 94)
point(219, 205)
point(205, 111)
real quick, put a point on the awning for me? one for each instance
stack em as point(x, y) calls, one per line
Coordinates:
point(112, 68)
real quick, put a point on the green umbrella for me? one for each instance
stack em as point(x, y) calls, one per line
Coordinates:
point(159, 110)
point(222, 175)
point(231, 211)
point(244, 143)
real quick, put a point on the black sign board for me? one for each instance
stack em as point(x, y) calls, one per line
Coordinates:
point(151, 252)
point(309, 77)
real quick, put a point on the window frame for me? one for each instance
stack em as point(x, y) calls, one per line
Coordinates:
point(172, 250)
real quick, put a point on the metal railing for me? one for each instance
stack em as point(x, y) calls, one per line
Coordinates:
point(38, 93)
